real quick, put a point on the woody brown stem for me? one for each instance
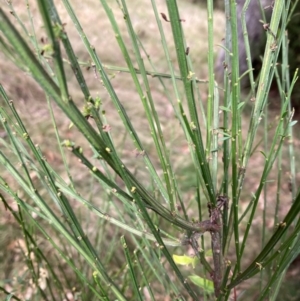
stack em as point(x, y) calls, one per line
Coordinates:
point(216, 242)
point(216, 245)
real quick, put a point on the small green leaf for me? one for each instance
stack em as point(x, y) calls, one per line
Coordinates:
point(263, 154)
point(240, 105)
point(292, 123)
point(209, 253)
point(9, 297)
point(225, 109)
point(185, 260)
point(205, 284)
point(224, 138)
point(226, 134)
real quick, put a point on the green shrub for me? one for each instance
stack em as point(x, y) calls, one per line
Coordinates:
point(157, 170)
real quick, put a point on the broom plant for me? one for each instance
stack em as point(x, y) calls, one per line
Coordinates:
point(148, 214)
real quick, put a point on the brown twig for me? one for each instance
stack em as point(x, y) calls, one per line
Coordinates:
point(216, 243)
point(212, 225)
